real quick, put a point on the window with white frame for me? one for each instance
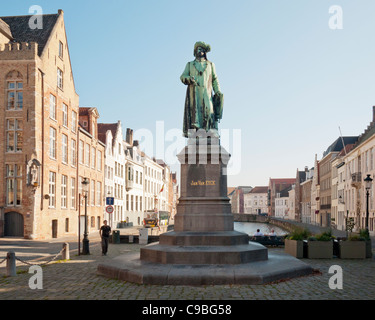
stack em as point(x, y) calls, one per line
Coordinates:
point(52, 143)
point(99, 160)
point(52, 106)
point(73, 193)
point(64, 181)
point(93, 157)
point(52, 190)
point(13, 184)
point(73, 151)
point(87, 154)
point(64, 146)
point(14, 95)
point(59, 78)
point(98, 193)
point(61, 50)
point(74, 121)
point(80, 153)
point(92, 192)
point(65, 114)
point(14, 135)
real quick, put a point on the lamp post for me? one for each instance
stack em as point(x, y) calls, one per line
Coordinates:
point(368, 182)
point(85, 241)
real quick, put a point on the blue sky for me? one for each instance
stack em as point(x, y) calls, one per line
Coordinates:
point(289, 80)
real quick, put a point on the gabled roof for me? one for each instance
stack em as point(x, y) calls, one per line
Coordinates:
point(21, 32)
point(346, 150)
point(337, 146)
point(259, 190)
point(230, 190)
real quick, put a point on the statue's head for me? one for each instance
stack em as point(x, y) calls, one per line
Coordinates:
point(201, 49)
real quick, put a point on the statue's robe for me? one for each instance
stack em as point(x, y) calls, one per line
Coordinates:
point(199, 111)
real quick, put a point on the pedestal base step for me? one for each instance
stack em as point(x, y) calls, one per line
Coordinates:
point(236, 254)
point(190, 238)
point(278, 266)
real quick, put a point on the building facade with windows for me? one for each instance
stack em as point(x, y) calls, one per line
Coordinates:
point(255, 201)
point(114, 170)
point(134, 181)
point(90, 166)
point(39, 123)
point(323, 217)
point(276, 186)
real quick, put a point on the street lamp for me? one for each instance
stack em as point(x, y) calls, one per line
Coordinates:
point(85, 241)
point(368, 182)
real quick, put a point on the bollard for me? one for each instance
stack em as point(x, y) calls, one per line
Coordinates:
point(11, 264)
point(131, 239)
point(143, 236)
point(65, 253)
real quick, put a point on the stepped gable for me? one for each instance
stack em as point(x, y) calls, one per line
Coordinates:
point(103, 128)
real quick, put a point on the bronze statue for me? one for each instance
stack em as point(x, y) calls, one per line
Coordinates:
point(203, 110)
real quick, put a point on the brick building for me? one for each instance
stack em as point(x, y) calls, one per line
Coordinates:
point(39, 124)
point(323, 217)
point(90, 166)
point(275, 186)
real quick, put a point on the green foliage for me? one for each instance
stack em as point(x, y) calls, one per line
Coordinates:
point(299, 234)
point(364, 233)
point(356, 237)
point(324, 236)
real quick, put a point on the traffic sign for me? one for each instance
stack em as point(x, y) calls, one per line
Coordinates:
point(110, 201)
point(109, 209)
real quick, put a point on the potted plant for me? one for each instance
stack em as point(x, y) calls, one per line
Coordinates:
point(320, 246)
point(353, 248)
point(294, 242)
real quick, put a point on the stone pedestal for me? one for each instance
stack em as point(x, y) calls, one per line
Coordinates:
point(203, 231)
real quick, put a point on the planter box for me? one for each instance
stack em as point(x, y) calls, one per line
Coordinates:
point(294, 248)
point(320, 249)
point(352, 250)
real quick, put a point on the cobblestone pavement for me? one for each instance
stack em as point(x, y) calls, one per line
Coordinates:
point(77, 279)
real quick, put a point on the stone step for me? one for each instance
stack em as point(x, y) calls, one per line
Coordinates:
point(186, 238)
point(236, 254)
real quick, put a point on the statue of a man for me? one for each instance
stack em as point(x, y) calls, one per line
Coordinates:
point(202, 109)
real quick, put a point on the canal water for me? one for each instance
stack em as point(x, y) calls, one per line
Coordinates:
point(251, 227)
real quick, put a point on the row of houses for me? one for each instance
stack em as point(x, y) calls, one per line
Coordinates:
point(52, 148)
point(332, 193)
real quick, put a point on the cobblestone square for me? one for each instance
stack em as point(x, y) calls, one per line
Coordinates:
point(77, 279)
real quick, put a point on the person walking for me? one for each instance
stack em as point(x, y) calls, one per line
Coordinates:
point(105, 232)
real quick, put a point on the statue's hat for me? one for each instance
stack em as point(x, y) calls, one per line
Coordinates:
point(205, 46)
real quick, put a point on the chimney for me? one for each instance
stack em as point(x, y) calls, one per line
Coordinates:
point(306, 169)
point(135, 143)
point(129, 136)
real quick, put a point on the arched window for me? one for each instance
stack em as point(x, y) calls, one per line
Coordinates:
point(14, 88)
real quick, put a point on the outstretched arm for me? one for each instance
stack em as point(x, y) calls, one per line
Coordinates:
point(185, 77)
